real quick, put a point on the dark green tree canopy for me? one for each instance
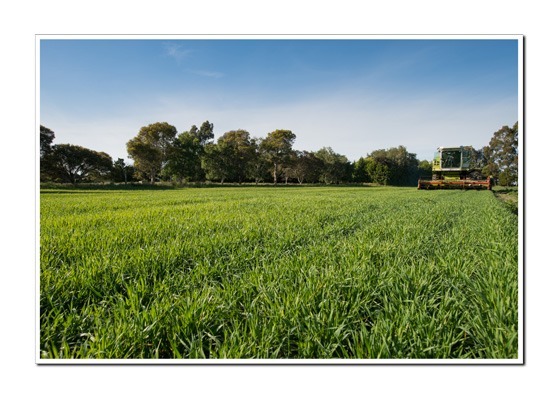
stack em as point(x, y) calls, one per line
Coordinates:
point(335, 167)
point(46, 138)
point(150, 148)
point(205, 134)
point(232, 157)
point(259, 169)
point(307, 167)
point(122, 172)
point(400, 166)
point(360, 175)
point(502, 156)
point(378, 171)
point(184, 158)
point(425, 169)
point(215, 162)
point(74, 164)
point(277, 147)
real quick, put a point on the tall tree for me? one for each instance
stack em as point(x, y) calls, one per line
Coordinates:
point(74, 164)
point(360, 174)
point(122, 172)
point(232, 156)
point(205, 133)
point(194, 131)
point(46, 138)
point(307, 167)
point(502, 155)
point(336, 167)
point(378, 171)
point(259, 168)
point(238, 153)
point(278, 147)
point(402, 166)
point(184, 158)
point(214, 163)
point(149, 149)
point(478, 160)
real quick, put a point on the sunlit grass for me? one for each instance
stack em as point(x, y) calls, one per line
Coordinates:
point(270, 273)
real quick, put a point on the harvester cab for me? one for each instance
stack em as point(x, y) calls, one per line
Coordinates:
point(454, 167)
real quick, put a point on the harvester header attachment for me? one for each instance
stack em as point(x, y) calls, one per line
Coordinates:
point(459, 184)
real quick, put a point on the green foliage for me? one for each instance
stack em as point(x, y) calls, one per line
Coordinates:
point(122, 172)
point(335, 167)
point(260, 167)
point(277, 147)
point(215, 163)
point(307, 167)
point(231, 158)
point(399, 167)
point(150, 149)
point(425, 169)
point(378, 172)
point(205, 134)
point(502, 157)
point(360, 174)
point(69, 163)
point(299, 273)
point(240, 151)
point(46, 138)
point(184, 159)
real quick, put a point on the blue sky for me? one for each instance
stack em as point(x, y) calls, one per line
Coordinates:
point(355, 96)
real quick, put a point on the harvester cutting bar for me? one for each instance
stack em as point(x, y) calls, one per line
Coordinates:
point(454, 184)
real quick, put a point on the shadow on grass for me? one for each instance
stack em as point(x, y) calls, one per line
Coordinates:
point(52, 188)
point(508, 196)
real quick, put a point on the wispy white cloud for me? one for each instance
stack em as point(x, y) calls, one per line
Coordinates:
point(179, 53)
point(176, 51)
point(206, 73)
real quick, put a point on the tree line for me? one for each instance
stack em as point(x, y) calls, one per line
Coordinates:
point(160, 153)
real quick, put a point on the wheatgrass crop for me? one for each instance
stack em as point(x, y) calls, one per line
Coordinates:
point(278, 273)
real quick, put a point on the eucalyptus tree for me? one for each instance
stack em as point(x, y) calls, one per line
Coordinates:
point(184, 159)
point(150, 148)
point(307, 167)
point(502, 157)
point(231, 158)
point(70, 163)
point(46, 138)
point(336, 167)
point(398, 166)
point(278, 148)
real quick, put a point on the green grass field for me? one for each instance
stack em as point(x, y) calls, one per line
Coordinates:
point(288, 273)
